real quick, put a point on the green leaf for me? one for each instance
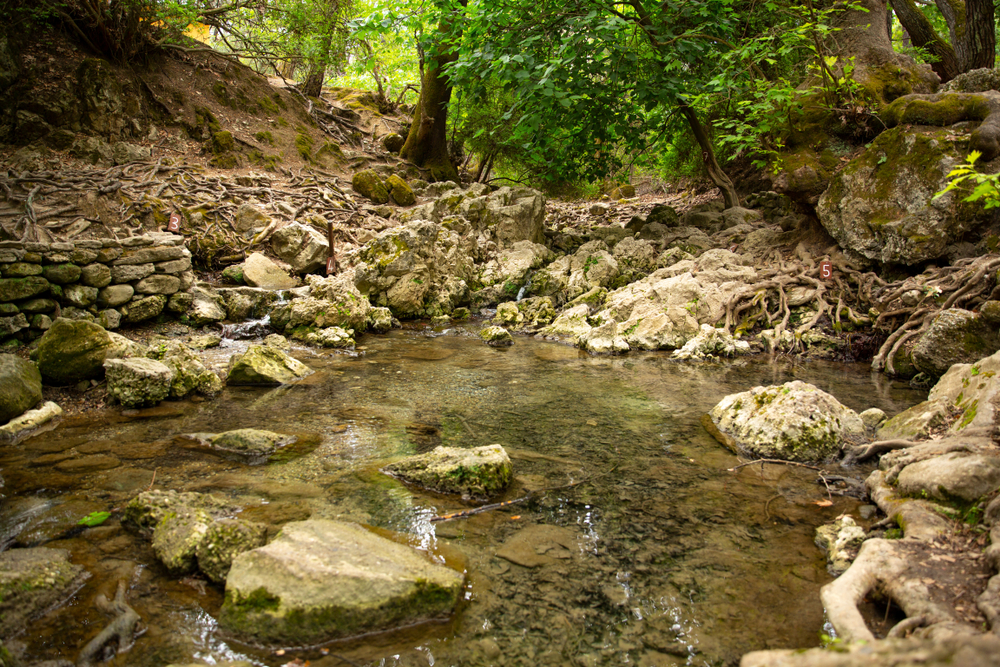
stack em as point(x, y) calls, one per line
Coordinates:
point(94, 519)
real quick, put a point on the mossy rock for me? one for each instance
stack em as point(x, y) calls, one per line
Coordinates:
point(73, 350)
point(399, 191)
point(222, 142)
point(479, 472)
point(368, 184)
point(323, 580)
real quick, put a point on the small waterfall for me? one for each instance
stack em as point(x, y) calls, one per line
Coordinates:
point(258, 328)
point(524, 288)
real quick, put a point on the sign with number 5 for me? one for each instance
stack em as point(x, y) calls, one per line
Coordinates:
point(826, 270)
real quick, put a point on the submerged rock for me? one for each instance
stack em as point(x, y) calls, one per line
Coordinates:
point(265, 365)
point(480, 472)
point(33, 581)
point(246, 444)
point(322, 580)
point(794, 421)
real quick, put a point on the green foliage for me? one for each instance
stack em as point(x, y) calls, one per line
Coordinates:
point(94, 519)
point(985, 187)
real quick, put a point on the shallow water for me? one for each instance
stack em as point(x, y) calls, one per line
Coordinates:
point(662, 557)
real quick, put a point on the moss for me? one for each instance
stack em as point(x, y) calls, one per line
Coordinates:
point(222, 142)
point(258, 600)
point(229, 161)
point(265, 137)
point(970, 414)
point(304, 145)
point(205, 118)
point(948, 110)
point(269, 162)
point(221, 93)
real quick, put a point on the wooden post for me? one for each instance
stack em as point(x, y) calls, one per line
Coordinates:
point(331, 260)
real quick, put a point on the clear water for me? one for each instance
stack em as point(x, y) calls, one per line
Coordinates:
point(664, 557)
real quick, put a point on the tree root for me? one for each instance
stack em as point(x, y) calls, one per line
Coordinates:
point(122, 630)
point(864, 452)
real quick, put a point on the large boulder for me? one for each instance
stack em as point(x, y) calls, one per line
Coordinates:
point(477, 472)
point(20, 386)
point(138, 382)
point(368, 184)
point(794, 421)
point(304, 248)
point(322, 580)
point(259, 271)
point(33, 581)
point(73, 350)
point(192, 531)
point(265, 365)
point(882, 206)
point(207, 307)
point(957, 336)
point(663, 310)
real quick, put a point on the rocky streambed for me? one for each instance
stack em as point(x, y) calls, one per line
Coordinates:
point(635, 541)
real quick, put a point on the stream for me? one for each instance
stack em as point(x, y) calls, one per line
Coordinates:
point(662, 557)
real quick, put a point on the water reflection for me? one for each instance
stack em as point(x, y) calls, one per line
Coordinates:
point(656, 559)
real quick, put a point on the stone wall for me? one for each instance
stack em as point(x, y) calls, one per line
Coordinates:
point(105, 281)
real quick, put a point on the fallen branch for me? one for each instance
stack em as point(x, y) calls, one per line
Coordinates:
point(122, 628)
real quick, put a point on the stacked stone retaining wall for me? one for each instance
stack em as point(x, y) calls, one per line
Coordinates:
point(110, 282)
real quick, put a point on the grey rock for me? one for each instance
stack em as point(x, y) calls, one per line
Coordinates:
point(80, 296)
point(476, 472)
point(141, 310)
point(955, 336)
point(115, 295)
point(96, 275)
point(259, 271)
point(158, 284)
point(265, 365)
point(131, 272)
point(138, 382)
point(302, 247)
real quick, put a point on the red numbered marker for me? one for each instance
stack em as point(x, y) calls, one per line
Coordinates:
point(826, 270)
point(175, 223)
point(331, 265)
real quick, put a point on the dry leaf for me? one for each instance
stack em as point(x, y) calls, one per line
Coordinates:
point(823, 503)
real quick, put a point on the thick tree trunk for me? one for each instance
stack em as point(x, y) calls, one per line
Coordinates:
point(923, 35)
point(313, 86)
point(427, 143)
point(715, 172)
point(979, 46)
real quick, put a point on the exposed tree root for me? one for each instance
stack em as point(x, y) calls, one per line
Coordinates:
point(118, 636)
point(861, 453)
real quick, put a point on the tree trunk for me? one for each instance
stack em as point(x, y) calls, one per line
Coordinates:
point(923, 35)
point(715, 172)
point(313, 87)
point(427, 143)
point(979, 46)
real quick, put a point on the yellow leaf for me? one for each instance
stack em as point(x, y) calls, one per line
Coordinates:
point(823, 503)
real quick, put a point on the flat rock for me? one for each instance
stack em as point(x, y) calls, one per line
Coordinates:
point(138, 382)
point(539, 545)
point(259, 271)
point(321, 580)
point(953, 476)
point(265, 365)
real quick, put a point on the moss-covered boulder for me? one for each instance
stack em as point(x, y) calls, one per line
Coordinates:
point(882, 206)
point(14, 289)
point(322, 580)
point(223, 541)
point(20, 386)
point(189, 373)
point(393, 142)
point(265, 365)
point(33, 581)
point(368, 184)
point(495, 336)
point(479, 472)
point(73, 350)
point(794, 421)
point(177, 536)
point(399, 191)
point(139, 382)
point(956, 336)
